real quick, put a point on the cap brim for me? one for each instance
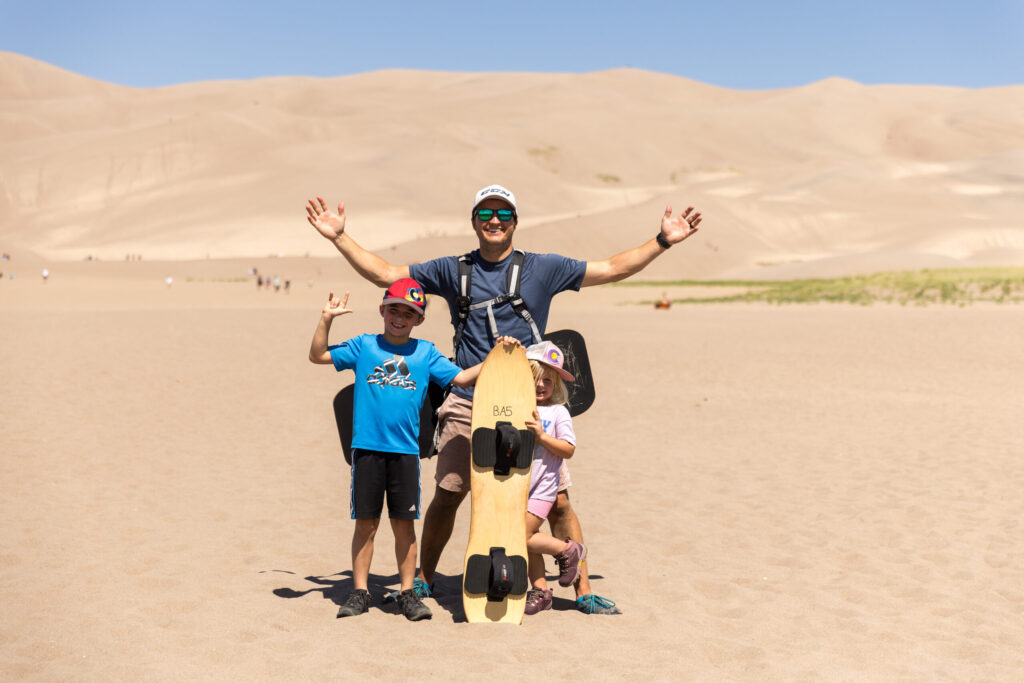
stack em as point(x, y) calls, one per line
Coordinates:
point(562, 372)
point(396, 300)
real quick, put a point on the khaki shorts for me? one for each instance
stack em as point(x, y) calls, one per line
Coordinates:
point(456, 420)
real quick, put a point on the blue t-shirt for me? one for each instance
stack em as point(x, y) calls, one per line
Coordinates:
point(391, 383)
point(544, 275)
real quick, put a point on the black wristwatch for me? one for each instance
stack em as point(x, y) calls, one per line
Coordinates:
point(662, 241)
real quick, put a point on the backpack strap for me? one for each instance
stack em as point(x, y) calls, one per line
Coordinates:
point(513, 277)
point(462, 301)
point(514, 273)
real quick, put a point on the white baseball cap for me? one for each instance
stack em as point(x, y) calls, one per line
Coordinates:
point(494, 191)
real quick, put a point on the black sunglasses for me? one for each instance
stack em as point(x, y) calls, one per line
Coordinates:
point(504, 215)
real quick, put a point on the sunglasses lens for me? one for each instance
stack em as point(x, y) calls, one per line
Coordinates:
point(504, 215)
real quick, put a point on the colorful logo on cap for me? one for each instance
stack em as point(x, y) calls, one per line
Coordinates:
point(415, 295)
point(554, 357)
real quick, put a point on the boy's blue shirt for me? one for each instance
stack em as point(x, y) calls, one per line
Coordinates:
point(390, 386)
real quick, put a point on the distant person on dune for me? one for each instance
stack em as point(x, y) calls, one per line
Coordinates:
point(494, 218)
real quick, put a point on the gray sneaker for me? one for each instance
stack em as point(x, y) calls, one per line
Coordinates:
point(412, 607)
point(358, 602)
point(569, 561)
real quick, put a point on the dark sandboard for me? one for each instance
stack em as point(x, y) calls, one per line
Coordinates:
point(577, 362)
point(428, 419)
point(495, 580)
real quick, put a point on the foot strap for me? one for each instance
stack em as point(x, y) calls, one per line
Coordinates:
point(502, 448)
point(497, 575)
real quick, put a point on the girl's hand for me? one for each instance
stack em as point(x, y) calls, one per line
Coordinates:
point(535, 426)
point(508, 341)
point(335, 306)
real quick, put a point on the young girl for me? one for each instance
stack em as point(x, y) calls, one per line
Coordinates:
point(555, 441)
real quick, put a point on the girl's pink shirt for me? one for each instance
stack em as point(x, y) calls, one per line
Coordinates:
point(557, 422)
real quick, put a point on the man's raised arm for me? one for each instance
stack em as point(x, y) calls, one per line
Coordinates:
point(332, 227)
point(631, 262)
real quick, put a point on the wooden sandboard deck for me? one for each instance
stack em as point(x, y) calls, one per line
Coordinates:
point(504, 392)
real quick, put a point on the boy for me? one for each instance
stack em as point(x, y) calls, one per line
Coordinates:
point(392, 372)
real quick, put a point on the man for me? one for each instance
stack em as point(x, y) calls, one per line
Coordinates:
point(494, 219)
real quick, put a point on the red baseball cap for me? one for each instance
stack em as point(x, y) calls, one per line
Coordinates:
point(406, 291)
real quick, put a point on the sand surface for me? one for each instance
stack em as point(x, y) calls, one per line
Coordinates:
point(769, 493)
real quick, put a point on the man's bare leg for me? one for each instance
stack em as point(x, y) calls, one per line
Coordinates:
point(438, 523)
point(565, 524)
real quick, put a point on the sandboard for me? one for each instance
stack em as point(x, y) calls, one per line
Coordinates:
point(343, 402)
point(577, 362)
point(495, 578)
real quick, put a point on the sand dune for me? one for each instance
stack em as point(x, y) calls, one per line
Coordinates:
point(827, 171)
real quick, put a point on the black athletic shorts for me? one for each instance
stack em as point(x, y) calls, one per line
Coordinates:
point(375, 475)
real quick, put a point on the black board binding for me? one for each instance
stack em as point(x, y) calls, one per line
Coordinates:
point(502, 448)
point(498, 575)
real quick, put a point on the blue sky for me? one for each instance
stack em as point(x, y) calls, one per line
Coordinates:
point(731, 43)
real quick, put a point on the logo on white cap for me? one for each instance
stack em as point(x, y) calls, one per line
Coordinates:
point(495, 191)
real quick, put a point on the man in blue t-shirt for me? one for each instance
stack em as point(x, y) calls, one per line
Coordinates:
point(494, 218)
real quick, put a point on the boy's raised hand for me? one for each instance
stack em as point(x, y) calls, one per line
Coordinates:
point(335, 306)
point(330, 225)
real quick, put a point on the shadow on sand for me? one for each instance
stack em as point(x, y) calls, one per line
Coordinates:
point(447, 592)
